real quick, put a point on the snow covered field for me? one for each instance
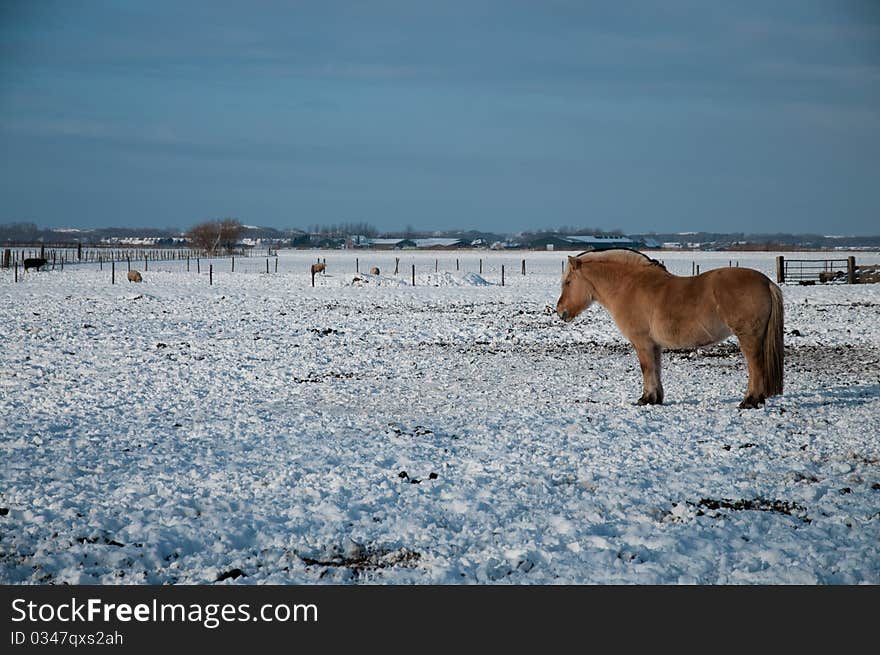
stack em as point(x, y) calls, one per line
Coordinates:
point(366, 431)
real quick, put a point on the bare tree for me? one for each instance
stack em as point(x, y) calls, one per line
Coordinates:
point(214, 236)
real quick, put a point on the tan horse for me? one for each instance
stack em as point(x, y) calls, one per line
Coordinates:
point(655, 309)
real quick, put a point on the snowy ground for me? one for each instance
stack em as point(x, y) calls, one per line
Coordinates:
point(366, 431)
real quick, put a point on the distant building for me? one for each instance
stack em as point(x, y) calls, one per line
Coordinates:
point(434, 243)
point(582, 242)
point(387, 244)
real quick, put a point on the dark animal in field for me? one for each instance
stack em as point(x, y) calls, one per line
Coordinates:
point(318, 268)
point(374, 270)
point(34, 262)
point(655, 309)
point(135, 276)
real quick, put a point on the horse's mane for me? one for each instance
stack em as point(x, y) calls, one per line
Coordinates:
point(620, 254)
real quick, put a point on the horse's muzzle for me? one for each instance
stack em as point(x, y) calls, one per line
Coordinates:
point(564, 316)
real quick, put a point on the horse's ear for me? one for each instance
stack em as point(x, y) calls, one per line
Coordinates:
point(574, 262)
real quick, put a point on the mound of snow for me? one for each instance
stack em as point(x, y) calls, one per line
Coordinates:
point(449, 279)
point(365, 279)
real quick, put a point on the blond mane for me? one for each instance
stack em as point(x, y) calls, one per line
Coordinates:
point(619, 255)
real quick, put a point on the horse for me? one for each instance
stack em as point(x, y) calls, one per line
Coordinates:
point(318, 268)
point(374, 270)
point(655, 309)
point(34, 262)
point(135, 276)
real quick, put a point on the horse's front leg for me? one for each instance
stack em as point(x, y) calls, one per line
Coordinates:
point(649, 361)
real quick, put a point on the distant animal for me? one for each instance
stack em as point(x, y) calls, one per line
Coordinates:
point(135, 276)
point(655, 309)
point(34, 262)
point(318, 268)
point(374, 270)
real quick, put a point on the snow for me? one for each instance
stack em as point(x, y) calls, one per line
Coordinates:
point(455, 432)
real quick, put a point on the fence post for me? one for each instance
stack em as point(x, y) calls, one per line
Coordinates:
point(276, 262)
point(16, 271)
point(414, 275)
point(187, 264)
point(198, 267)
point(112, 272)
point(456, 264)
point(233, 264)
point(396, 262)
point(146, 265)
point(698, 269)
point(357, 265)
point(502, 275)
point(851, 269)
point(524, 267)
point(436, 265)
point(267, 265)
point(481, 266)
point(211, 274)
point(780, 269)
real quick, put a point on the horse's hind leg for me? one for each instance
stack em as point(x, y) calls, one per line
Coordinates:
point(752, 348)
point(649, 361)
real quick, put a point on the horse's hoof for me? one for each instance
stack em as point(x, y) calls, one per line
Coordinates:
point(649, 400)
point(751, 402)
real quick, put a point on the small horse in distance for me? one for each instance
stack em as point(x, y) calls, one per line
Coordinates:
point(34, 262)
point(374, 270)
point(318, 268)
point(655, 309)
point(135, 276)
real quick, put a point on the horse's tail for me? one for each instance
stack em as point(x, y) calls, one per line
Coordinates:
point(774, 346)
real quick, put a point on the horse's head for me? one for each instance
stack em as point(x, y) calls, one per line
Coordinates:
point(577, 292)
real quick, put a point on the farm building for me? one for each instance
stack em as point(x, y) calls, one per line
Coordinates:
point(582, 242)
point(437, 243)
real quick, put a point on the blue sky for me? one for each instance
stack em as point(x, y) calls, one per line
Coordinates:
point(667, 116)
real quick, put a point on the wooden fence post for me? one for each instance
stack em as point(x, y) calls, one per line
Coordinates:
point(396, 262)
point(112, 272)
point(276, 262)
point(524, 267)
point(502, 275)
point(851, 269)
point(267, 265)
point(211, 274)
point(357, 265)
point(456, 264)
point(780, 269)
point(233, 263)
point(481, 266)
point(414, 275)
